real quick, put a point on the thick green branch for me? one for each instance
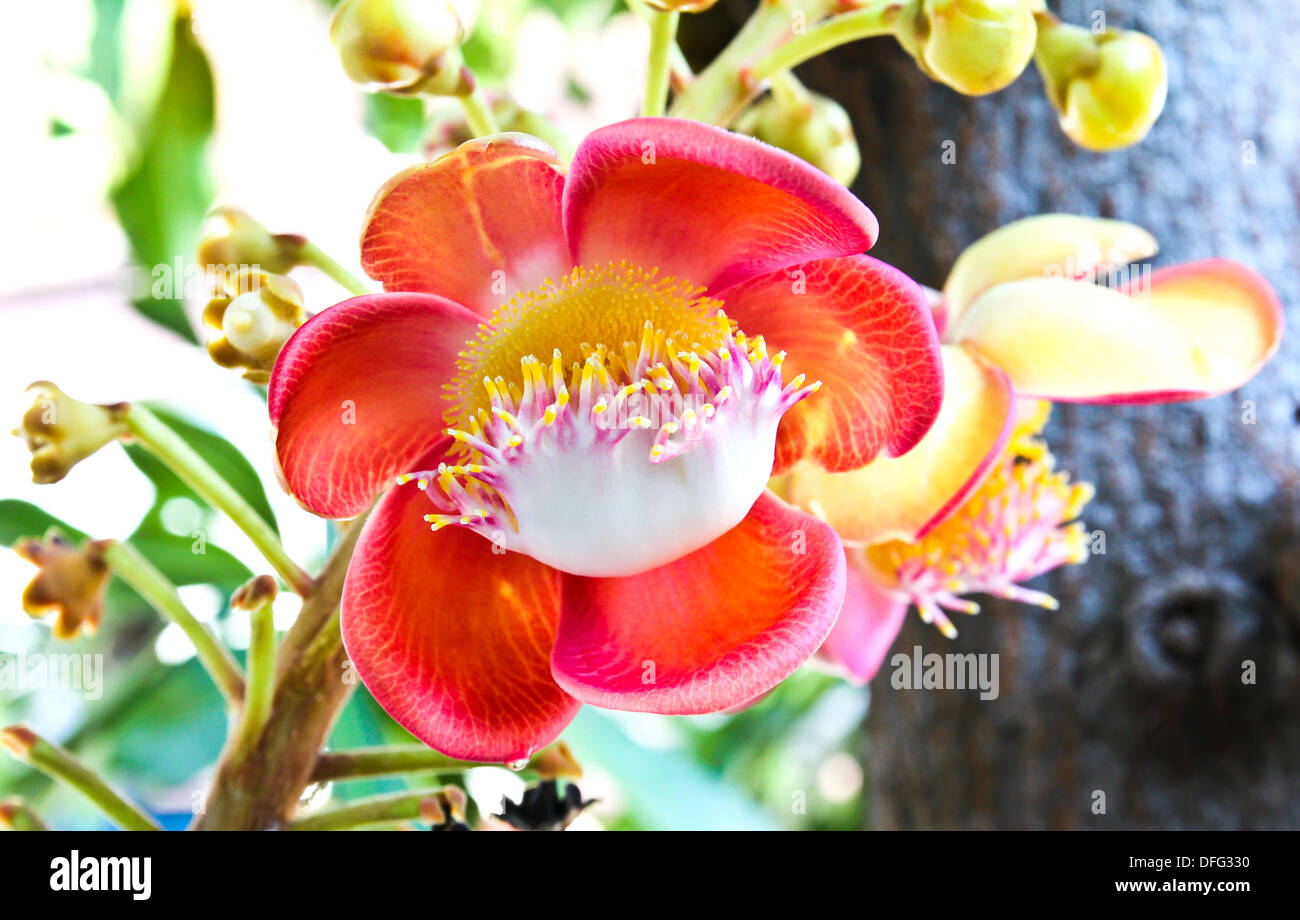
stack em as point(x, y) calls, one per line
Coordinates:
point(719, 93)
point(390, 760)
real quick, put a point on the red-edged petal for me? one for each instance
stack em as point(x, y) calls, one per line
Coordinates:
point(903, 498)
point(476, 225)
point(1196, 330)
point(356, 395)
point(703, 204)
point(710, 631)
point(453, 639)
point(865, 330)
point(867, 626)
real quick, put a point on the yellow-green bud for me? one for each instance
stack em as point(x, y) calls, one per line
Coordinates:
point(681, 6)
point(1108, 88)
point(810, 126)
point(974, 46)
point(256, 312)
point(401, 46)
point(71, 582)
point(61, 431)
point(232, 238)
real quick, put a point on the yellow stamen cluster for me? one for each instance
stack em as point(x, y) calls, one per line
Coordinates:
point(1011, 529)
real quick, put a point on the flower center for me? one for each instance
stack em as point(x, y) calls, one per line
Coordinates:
point(609, 424)
point(1013, 528)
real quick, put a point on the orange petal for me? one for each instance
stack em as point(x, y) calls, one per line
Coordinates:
point(356, 396)
point(1048, 245)
point(477, 225)
point(1196, 330)
point(904, 497)
point(452, 638)
point(863, 329)
point(711, 631)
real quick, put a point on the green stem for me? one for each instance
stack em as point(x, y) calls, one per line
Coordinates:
point(199, 475)
point(878, 18)
point(663, 38)
point(261, 677)
point(679, 68)
point(313, 255)
point(719, 93)
point(393, 759)
point(478, 115)
point(15, 815)
point(127, 564)
point(790, 94)
point(54, 761)
point(380, 809)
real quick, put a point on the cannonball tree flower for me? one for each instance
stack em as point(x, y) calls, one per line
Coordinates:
point(574, 392)
point(977, 506)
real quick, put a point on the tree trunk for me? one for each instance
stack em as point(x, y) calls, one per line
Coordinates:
point(1139, 687)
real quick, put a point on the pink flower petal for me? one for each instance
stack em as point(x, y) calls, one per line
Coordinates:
point(703, 204)
point(356, 396)
point(868, 624)
point(711, 631)
point(454, 639)
point(865, 331)
point(477, 225)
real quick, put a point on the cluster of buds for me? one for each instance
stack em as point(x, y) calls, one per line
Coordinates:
point(974, 46)
point(813, 127)
point(1108, 88)
point(71, 582)
point(256, 312)
point(61, 431)
point(404, 47)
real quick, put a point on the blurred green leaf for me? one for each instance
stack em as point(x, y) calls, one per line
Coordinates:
point(164, 197)
point(171, 731)
point(224, 457)
point(20, 519)
point(665, 789)
point(398, 121)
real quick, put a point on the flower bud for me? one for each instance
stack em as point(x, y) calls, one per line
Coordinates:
point(401, 46)
point(681, 6)
point(256, 312)
point(61, 431)
point(812, 127)
point(232, 238)
point(255, 593)
point(557, 761)
point(71, 582)
point(1109, 89)
point(974, 46)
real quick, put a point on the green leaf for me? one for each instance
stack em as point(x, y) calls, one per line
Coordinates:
point(170, 732)
point(19, 519)
point(164, 197)
point(223, 456)
point(398, 121)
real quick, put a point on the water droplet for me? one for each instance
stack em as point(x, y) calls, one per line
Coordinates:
point(517, 765)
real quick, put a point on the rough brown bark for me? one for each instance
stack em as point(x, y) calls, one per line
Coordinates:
point(1135, 686)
